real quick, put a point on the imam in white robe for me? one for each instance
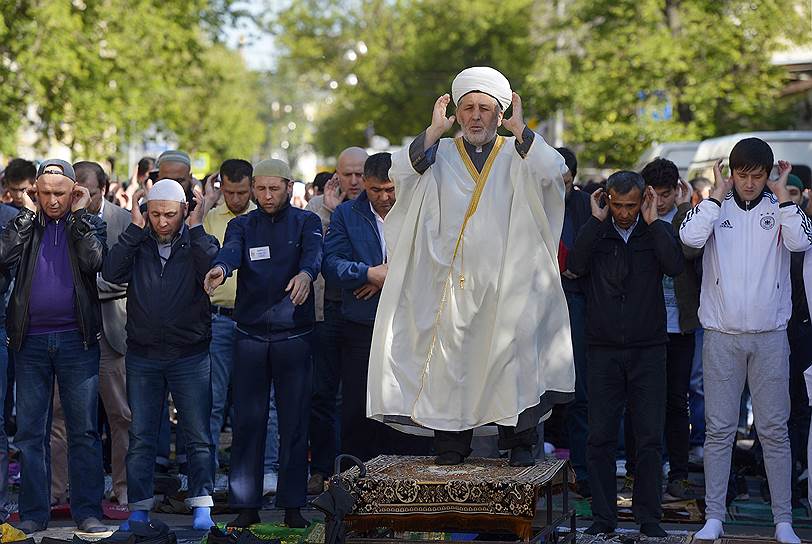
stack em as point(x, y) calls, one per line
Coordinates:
point(472, 326)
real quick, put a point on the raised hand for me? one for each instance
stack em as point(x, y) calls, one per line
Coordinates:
point(199, 213)
point(516, 122)
point(440, 124)
point(80, 198)
point(299, 287)
point(30, 198)
point(214, 279)
point(779, 186)
point(722, 185)
point(595, 201)
point(332, 193)
point(212, 193)
point(135, 212)
point(684, 192)
point(649, 208)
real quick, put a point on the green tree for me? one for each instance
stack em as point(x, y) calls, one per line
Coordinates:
point(100, 73)
point(637, 71)
point(623, 72)
point(410, 53)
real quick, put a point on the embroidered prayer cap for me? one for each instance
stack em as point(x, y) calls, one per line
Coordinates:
point(167, 189)
point(174, 155)
point(66, 167)
point(273, 168)
point(482, 79)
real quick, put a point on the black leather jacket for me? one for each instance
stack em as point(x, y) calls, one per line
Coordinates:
point(19, 245)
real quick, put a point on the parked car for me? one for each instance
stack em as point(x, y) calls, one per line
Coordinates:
point(680, 153)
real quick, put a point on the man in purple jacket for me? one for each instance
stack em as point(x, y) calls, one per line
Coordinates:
point(53, 327)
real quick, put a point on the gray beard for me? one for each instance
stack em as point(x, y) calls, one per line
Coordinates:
point(164, 239)
point(478, 141)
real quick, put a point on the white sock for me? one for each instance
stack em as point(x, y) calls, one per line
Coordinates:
point(785, 534)
point(712, 530)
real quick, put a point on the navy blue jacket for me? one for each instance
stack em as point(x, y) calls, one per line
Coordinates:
point(351, 246)
point(269, 250)
point(168, 313)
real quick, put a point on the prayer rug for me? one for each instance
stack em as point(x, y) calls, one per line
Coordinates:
point(413, 493)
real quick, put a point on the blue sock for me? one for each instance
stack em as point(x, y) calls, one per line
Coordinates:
point(202, 518)
point(135, 515)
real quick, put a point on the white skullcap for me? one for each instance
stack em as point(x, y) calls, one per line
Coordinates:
point(482, 79)
point(167, 189)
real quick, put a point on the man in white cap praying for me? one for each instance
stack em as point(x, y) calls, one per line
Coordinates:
point(164, 261)
point(472, 326)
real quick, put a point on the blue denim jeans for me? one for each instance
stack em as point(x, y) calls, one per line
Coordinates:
point(76, 368)
point(3, 438)
point(223, 330)
point(189, 381)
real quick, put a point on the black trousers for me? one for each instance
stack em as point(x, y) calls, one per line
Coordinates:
point(362, 437)
point(460, 441)
point(679, 360)
point(616, 377)
point(800, 356)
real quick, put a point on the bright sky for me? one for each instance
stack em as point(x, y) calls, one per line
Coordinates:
point(258, 49)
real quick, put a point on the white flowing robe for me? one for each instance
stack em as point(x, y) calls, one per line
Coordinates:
point(452, 355)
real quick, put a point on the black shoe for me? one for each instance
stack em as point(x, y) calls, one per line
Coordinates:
point(294, 519)
point(653, 530)
point(599, 528)
point(521, 456)
point(246, 517)
point(449, 458)
point(219, 536)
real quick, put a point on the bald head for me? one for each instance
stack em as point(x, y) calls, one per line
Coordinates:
point(350, 171)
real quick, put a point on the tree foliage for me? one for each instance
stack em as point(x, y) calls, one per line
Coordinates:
point(623, 72)
point(98, 73)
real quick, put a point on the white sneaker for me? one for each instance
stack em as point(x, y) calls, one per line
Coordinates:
point(269, 482)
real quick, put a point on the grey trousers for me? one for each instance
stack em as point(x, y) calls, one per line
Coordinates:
point(763, 360)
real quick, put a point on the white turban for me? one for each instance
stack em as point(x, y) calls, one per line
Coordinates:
point(167, 189)
point(484, 80)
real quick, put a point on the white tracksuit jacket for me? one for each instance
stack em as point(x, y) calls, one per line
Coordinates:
point(745, 266)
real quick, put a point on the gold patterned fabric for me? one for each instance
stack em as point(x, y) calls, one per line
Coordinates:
point(396, 485)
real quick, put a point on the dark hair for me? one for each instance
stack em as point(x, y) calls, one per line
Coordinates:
point(145, 165)
point(624, 181)
point(699, 183)
point(19, 170)
point(85, 168)
point(661, 173)
point(377, 166)
point(751, 154)
point(321, 180)
point(236, 170)
point(569, 159)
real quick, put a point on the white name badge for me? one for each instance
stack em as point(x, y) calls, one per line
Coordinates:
point(259, 253)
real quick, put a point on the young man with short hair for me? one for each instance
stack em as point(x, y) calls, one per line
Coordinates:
point(748, 228)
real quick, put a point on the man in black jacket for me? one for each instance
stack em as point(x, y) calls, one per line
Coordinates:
point(53, 326)
point(168, 335)
point(622, 257)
